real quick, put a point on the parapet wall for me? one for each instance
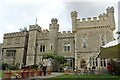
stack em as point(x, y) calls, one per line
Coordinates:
point(65, 34)
point(16, 34)
point(34, 27)
point(45, 31)
point(104, 19)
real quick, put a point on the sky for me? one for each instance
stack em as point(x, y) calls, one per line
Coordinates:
point(16, 14)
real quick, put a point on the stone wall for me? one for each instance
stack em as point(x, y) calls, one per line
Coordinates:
point(93, 33)
point(92, 29)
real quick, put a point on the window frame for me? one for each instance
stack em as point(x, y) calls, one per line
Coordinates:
point(67, 47)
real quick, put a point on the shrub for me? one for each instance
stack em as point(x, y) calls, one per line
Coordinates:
point(12, 67)
point(4, 66)
point(35, 66)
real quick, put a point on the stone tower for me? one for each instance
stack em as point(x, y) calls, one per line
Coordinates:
point(32, 44)
point(110, 17)
point(90, 35)
point(74, 21)
point(53, 35)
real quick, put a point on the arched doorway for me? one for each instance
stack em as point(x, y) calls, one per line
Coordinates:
point(82, 63)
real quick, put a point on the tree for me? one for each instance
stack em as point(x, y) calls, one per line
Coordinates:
point(59, 58)
point(23, 29)
point(56, 57)
point(48, 55)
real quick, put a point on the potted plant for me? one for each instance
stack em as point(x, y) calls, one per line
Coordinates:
point(7, 75)
point(66, 71)
point(34, 70)
point(25, 74)
point(7, 71)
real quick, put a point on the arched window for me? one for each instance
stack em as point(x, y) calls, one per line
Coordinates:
point(83, 63)
point(84, 42)
point(42, 48)
point(67, 47)
point(103, 40)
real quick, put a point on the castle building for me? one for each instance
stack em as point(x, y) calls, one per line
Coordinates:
point(0, 51)
point(80, 46)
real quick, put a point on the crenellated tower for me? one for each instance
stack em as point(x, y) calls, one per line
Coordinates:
point(91, 34)
point(53, 35)
point(74, 21)
point(110, 17)
point(32, 44)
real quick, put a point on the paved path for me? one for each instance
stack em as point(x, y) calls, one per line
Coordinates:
point(49, 76)
point(53, 74)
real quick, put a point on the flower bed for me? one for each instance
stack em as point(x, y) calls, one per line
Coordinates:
point(7, 75)
point(33, 73)
point(39, 73)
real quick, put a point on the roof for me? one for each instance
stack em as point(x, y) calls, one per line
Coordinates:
point(112, 43)
point(110, 50)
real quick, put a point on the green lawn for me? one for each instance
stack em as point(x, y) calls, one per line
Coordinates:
point(1, 74)
point(85, 77)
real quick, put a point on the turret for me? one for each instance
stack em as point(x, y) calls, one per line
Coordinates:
point(31, 52)
point(74, 21)
point(110, 10)
point(110, 17)
point(53, 35)
point(54, 24)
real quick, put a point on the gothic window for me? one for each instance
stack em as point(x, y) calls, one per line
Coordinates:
point(71, 63)
point(103, 40)
point(93, 62)
point(96, 61)
point(90, 61)
point(10, 53)
point(67, 47)
point(84, 42)
point(103, 62)
point(51, 46)
point(42, 48)
point(83, 64)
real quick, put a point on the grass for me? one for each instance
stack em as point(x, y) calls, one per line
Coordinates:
point(1, 74)
point(85, 77)
point(79, 77)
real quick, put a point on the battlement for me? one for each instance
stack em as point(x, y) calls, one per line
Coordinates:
point(73, 14)
point(103, 19)
point(54, 20)
point(65, 34)
point(93, 21)
point(15, 34)
point(99, 18)
point(110, 9)
point(43, 36)
point(34, 27)
point(45, 31)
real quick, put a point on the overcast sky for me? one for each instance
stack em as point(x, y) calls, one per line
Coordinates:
point(16, 14)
